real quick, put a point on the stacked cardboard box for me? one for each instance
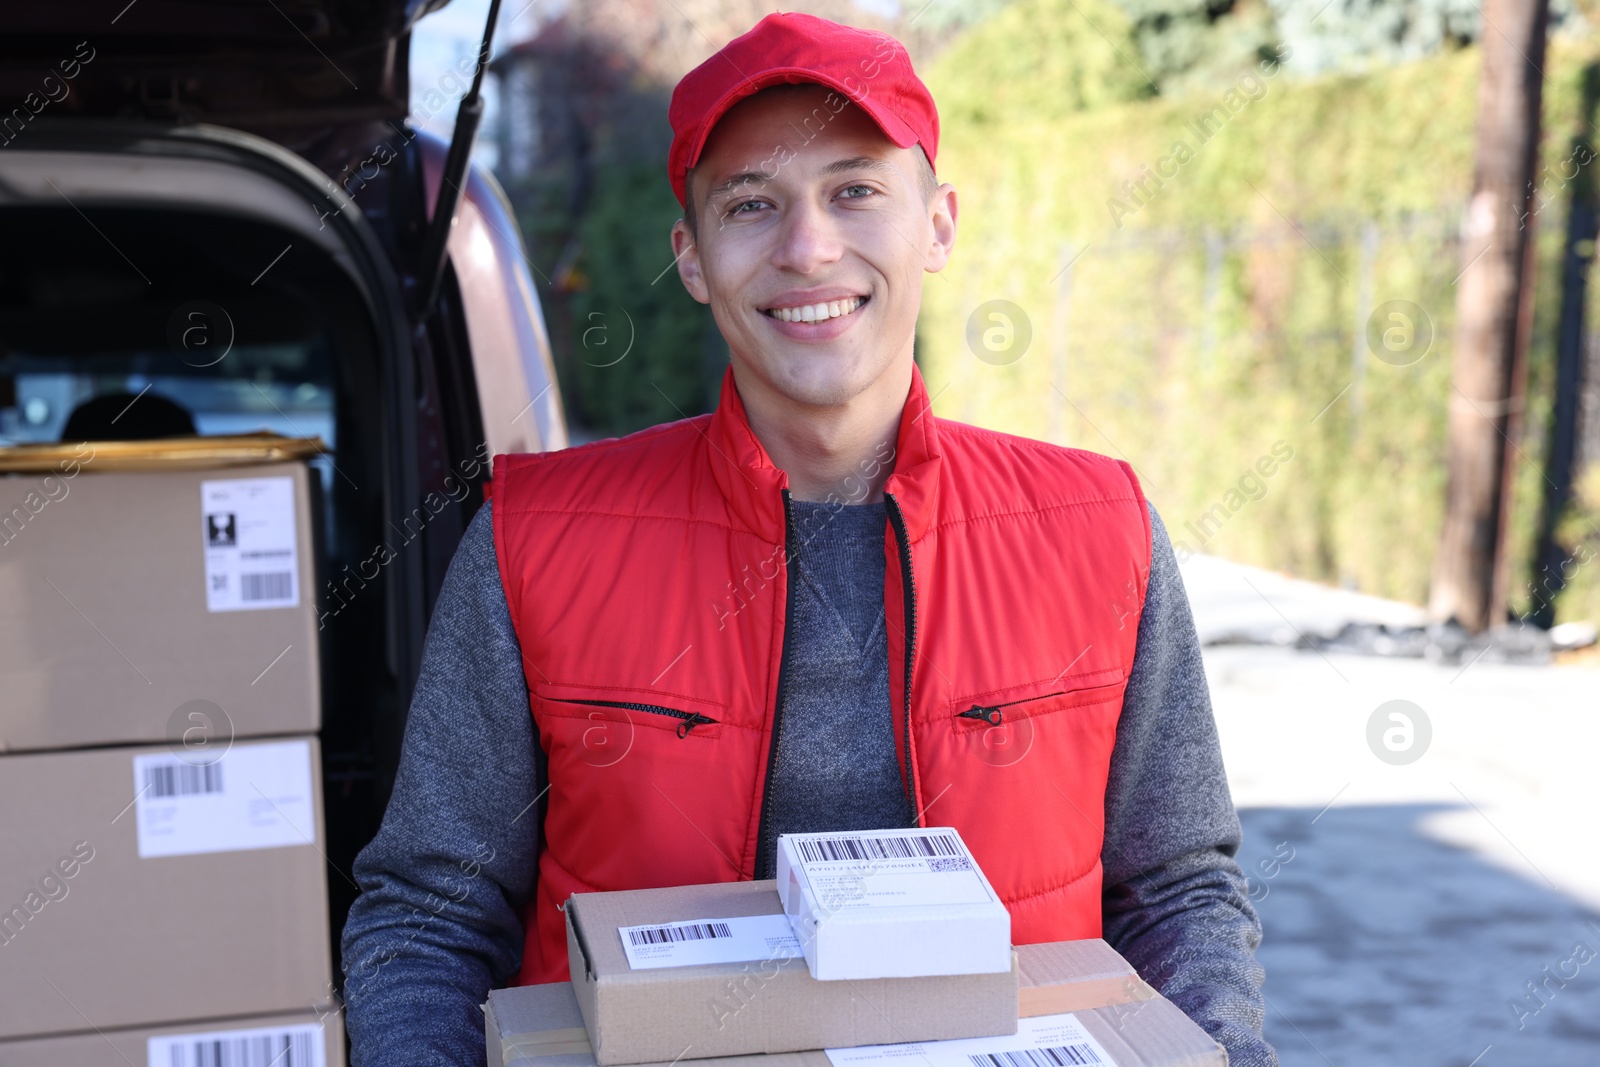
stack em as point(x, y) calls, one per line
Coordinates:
point(163, 891)
point(715, 978)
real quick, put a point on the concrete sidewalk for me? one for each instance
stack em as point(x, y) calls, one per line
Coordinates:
point(1407, 905)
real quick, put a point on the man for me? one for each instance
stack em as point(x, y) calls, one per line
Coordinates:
point(820, 608)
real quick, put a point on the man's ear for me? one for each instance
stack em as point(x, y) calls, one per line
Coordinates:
point(686, 254)
point(942, 213)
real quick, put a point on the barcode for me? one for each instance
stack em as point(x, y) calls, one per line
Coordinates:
point(1061, 1056)
point(271, 585)
point(287, 1049)
point(661, 935)
point(182, 779)
point(822, 849)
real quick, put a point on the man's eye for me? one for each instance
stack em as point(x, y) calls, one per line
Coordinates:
point(857, 192)
point(739, 209)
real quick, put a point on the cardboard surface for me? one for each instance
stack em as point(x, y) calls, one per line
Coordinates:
point(891, 904)
point(768, 1005)
point(93, 936)
point(105, 632)
point(129, 1047)
point(542, 1025)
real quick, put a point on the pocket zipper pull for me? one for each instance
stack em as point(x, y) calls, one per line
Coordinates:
point(988, 715)
point(691, 722)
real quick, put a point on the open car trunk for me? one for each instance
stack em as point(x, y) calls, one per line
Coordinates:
point(210, 272)
point(214, 211)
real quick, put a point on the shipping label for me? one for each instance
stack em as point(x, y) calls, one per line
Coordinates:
point(252, 554)
point(301, 1045)
point(252, 796)
point(902, 868)
point(684, 944)
point(1041, 1041)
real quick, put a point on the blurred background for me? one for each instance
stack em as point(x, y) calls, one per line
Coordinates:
point(1218, 238)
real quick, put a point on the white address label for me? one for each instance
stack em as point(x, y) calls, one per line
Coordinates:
point(684, 944)
point(252, 555)
point(253, 796)
point(301, 1045)
point(918, 867)
point(1041, 1041)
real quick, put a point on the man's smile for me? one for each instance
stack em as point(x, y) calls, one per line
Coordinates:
point(817, 312)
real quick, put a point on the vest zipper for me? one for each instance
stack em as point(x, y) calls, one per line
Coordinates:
point(690, 719)
point(908, 581)
point(991, 713)
point(765, 848)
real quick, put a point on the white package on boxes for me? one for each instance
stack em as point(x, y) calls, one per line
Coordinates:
point(891, 904)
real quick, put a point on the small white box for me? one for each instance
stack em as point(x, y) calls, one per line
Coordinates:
point(891, 904)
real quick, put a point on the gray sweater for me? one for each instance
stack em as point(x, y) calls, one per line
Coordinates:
point(438, 922)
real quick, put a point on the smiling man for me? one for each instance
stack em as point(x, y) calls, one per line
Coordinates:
point(821, 608)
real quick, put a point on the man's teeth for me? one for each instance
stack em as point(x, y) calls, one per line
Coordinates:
point(818, 312)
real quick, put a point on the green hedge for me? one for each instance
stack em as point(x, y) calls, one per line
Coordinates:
point(1221, 312)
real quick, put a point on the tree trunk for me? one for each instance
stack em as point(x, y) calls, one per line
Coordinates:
point(1493, 318)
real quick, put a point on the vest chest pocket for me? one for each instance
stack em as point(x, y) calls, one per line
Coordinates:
point(1001, 727)
point(601, 725)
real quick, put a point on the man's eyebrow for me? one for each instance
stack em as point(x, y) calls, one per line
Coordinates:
point(840, 166)
point(757, 177)
point(749, 177)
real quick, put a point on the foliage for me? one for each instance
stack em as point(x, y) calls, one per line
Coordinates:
point(645, 351)
point(1042, 58)
point(1354, 35)
point(1192, 44)
point(1222, 300)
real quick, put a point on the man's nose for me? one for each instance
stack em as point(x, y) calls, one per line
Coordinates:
point(809, 238)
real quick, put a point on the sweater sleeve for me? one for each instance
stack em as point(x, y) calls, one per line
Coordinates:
point(1175, 900)
point(438, 920)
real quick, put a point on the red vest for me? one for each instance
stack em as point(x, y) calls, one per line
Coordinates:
point(647, 582)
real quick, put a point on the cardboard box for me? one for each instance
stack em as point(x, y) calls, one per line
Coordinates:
point(298, 1040)
point(891, 904)
point(137, 887)
point(764, 1001)
point(542, 1025)
point(141, 607)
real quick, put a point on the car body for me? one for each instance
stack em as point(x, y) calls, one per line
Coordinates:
point(224, 204)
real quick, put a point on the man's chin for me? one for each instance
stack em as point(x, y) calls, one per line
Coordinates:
point(815, 378)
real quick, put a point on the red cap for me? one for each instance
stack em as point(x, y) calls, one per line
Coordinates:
point(872, 69)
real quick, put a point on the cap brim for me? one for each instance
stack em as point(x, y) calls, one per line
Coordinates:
point(893, 126)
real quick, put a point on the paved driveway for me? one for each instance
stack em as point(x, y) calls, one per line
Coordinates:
point(1408, 905)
